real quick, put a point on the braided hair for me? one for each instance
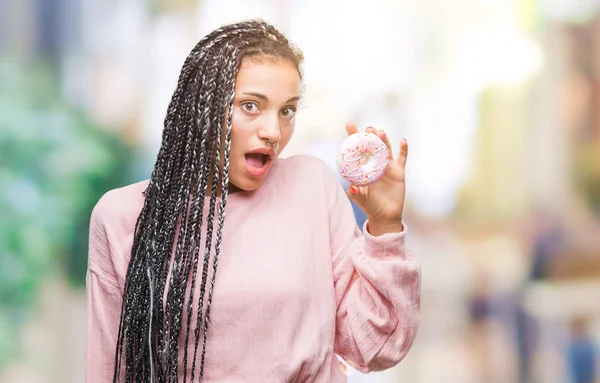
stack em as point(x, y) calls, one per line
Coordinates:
point(192, 164)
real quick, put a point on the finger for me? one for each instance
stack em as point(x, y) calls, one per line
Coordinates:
point(351, 128)
point(403, 152)
point(384, 137)
point(381, 134)
point(357, 195)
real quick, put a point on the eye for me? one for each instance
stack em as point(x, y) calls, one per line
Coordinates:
point(288, 112)
point(250, 107)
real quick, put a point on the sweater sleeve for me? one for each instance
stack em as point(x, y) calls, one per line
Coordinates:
point(377, 289)
point(103, 304)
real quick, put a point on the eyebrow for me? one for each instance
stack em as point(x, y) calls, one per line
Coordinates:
point(265, 98)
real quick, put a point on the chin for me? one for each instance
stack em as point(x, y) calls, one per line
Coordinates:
point(245, 185)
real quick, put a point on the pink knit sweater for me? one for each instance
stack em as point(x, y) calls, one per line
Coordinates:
point(297, 283)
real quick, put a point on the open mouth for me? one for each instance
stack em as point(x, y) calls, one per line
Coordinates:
point(257, 160)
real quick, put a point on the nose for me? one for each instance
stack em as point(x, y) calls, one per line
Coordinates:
point(270, 129)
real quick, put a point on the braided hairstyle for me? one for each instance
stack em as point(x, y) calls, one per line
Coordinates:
point(192, 164)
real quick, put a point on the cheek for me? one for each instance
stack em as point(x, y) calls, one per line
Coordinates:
point(241, 137)
point(241, 124)
point(237, 131)
point(286, 135)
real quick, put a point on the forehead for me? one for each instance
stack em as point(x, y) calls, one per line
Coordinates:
point(272, 77)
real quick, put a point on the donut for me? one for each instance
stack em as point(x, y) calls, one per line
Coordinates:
point(363, 158)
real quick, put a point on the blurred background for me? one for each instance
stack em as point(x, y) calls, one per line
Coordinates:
point(499, 101)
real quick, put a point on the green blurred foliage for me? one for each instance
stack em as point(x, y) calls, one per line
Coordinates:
point(54, 166)
point(159, 7)
point(587, 173)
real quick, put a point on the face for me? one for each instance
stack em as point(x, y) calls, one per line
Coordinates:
point(266, 99)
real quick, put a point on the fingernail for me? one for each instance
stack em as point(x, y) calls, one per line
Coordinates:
point(352, 189)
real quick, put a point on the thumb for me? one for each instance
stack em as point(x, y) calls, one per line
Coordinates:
point(357, 195)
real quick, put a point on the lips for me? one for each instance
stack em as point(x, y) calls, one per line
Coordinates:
point(259, 161)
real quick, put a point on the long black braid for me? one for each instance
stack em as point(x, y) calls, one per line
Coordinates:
point(192, 163)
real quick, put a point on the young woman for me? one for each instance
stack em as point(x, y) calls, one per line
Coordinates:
point(178, 291)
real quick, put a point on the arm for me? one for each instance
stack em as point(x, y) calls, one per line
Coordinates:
point(377, 288)
point(103, 305)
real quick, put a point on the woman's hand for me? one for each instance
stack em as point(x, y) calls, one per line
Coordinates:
point(383, 200)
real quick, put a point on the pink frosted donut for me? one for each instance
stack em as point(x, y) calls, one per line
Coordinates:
point(363, 158)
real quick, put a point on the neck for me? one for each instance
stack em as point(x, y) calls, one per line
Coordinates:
point(233, 189)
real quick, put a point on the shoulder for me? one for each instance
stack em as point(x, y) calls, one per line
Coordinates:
point(309, 173)
point(120, 206)
point(112, 224)
point(306, 165)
